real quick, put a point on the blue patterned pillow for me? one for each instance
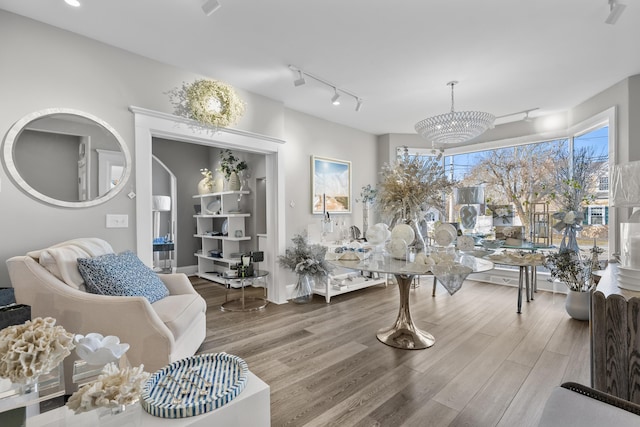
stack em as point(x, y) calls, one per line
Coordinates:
point(121, 275)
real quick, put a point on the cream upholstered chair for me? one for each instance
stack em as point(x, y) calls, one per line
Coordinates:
point(171, 328)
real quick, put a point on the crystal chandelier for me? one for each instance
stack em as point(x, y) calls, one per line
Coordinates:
point(455, 126)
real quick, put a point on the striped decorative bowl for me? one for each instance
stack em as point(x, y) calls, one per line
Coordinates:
point(194, 385)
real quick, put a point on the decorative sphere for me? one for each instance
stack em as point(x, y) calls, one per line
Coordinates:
point(403, 232)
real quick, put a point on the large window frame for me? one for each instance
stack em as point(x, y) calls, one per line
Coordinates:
point(604, 118)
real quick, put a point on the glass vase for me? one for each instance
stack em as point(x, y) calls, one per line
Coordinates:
point(418, 245)
point(303, 291)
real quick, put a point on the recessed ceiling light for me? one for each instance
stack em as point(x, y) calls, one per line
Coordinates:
point(74, 3)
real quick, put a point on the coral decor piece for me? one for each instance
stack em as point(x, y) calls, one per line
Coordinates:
point(97, 350)
point(32, 349)
point(114, 387)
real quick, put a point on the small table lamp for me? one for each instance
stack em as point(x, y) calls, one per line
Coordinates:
point(469, 196)
point(625, 193)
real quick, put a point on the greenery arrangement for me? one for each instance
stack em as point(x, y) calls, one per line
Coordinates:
point(210, 102)
point(570, 268)
point(411, 183)
point(231, 164)
point(304, 258)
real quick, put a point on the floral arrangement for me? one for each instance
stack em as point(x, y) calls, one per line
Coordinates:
point(210, 102)
point(114, 387)
point(410, 183)
point(231, 164)
point(33, 348)
point(570, 268)
point(367, 194)
point(304, 258)
point(208, 178)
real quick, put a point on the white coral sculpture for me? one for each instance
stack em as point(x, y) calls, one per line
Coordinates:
point(33, 348)
point(114, 387)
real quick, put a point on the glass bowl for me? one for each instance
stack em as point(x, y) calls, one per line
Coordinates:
point(492, 244)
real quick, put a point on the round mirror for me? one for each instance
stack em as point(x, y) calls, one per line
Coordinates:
point(66, 158)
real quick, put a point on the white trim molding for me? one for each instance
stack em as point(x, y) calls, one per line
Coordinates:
point(150, 124)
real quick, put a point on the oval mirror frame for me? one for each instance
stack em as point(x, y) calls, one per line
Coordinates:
point(12, 138)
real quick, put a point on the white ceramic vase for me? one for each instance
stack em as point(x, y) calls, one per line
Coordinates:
point(577, 304)
point(233, 184)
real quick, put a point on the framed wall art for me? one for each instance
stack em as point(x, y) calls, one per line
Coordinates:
point(330, 185)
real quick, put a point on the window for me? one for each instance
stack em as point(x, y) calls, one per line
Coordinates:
point(603, 185)
point(556, 174)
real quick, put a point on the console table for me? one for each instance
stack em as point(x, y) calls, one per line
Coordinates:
point(615, 338)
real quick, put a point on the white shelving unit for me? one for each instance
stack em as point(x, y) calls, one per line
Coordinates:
point(215, 209)
point(349, 281)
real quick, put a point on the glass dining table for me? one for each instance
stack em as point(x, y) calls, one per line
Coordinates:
point(404, 334)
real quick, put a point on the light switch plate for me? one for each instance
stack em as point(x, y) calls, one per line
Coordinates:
point(117, 221)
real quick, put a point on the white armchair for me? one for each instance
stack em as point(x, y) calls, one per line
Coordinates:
point(159, 333)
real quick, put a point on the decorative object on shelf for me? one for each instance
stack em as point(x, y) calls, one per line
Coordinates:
point(308, 262)
point(205, 185)
point(469, 196)
point(194, 385)
point(330, 185)
point(454, 126)
point(367, 197)
point(231, 166)
point(571, 269)
point(209, 102)
point(115, 389)
point(32, 349)
point(409, 187)
point(95, 349)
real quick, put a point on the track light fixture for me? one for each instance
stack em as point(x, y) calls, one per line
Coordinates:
point(335, 99)
point(615, 10)
point(210, 6)
point(300, 80)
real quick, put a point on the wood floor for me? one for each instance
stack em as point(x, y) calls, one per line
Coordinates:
point(488, 367)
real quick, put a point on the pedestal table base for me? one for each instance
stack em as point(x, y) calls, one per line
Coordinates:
point(404, 334)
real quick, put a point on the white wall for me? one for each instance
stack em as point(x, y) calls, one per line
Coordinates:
point(46, 67)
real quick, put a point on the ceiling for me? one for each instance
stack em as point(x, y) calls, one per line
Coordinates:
point(398, 56)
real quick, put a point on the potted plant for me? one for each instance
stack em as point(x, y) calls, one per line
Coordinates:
point(570, 268)
point(308, 262)
point(231, 166)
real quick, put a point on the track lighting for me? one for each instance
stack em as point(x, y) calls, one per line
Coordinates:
point(335, 99)
point(300, 80)
point(615, 10)
point(210, 6)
